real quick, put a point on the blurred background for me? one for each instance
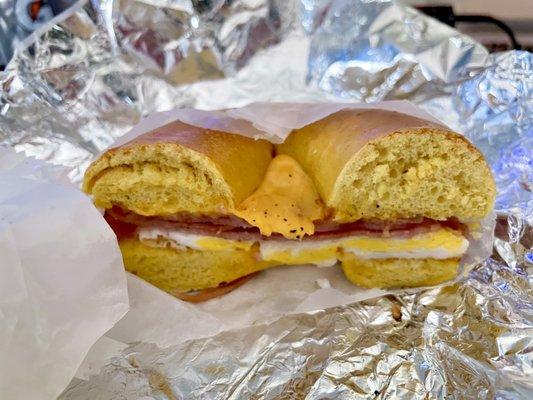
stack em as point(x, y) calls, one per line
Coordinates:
point(499, 25)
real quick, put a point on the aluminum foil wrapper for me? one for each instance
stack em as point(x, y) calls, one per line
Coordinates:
point(87, 78)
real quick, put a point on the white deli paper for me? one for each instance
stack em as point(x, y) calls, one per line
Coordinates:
point(62, 282)
point(270, 121)
point(160, 318)
point(157, 317)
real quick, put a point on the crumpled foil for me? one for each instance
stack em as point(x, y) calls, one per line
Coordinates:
point(89, 78)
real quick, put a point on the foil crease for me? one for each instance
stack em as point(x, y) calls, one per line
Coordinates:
point(76, 85)
point(470, 340)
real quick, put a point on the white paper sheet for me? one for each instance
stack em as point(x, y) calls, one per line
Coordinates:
point(157, 317)
point(62, 283)
point(271, 121)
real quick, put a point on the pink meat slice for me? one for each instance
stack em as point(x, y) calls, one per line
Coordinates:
point(234, 228)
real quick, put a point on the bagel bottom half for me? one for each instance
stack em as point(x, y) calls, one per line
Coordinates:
point(398, 272)
point(174, 270)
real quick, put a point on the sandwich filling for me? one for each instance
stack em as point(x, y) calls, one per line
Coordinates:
point(285, 221)
point(415, 239)
point(440, 244)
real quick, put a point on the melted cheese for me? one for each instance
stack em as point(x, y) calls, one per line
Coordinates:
point(441, 244)
point(286, 202)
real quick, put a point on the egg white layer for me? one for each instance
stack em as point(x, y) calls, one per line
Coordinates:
point(441, 244)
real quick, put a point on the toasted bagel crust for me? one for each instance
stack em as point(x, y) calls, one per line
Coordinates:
point(175, 270)
point(399, 272)
point(179, 168)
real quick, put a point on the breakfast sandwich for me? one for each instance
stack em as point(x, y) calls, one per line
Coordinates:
point(391, 197)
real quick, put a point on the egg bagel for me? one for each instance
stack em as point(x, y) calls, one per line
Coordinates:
point(389, 196)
